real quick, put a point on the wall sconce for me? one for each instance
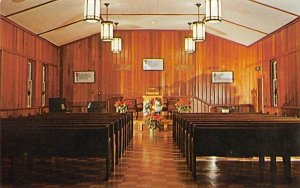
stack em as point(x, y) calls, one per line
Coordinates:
point(258, 68)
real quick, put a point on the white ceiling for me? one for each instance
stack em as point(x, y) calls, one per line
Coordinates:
point(61, 21)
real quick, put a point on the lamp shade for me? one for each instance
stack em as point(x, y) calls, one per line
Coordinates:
point(189, 45)
point(92, 11)
point(107, 33)
point(198, 31)
point(116, 45)
point(213, 11)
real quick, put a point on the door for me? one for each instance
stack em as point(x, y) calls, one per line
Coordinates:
point(260, 96)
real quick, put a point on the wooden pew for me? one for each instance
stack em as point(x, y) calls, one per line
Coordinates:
point(56, 141)
point(184, 124)
point(187, 126)
point(120, 131)
point(246, 140)
point(123, 125)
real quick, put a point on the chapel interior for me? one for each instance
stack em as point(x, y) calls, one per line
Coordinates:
point(162, 93)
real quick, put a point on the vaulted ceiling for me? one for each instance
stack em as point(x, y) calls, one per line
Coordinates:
point(61, 21)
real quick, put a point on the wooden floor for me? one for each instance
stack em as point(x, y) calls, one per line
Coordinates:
point(152, 160)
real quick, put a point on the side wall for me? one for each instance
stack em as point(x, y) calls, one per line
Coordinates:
point(17, 47)
point(283, 46)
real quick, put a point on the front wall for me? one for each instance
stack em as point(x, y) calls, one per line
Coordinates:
point(184, 74)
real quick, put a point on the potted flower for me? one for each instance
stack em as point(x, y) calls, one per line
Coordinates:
point(183, 106)
point(121, 106)
point(153, 120)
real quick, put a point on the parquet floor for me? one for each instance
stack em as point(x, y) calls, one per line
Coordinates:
point(152, 160)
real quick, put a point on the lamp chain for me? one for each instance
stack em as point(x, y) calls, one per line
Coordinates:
point(106, 4)
point(198, 5)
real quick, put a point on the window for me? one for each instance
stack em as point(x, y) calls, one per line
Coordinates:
point(274, 83)
point(44, 85)
point(29, 84)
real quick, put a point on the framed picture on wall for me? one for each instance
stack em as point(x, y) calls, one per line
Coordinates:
point(153, 64)
point(84, 77)
point(222, 77)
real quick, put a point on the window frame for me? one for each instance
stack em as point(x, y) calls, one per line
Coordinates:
point(274, 82)
point(44, 87)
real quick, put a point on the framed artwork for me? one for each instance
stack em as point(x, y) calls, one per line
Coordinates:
point(222, 77)
point(153, 64)
point(84, 77)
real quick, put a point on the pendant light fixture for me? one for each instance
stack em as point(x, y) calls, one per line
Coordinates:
point(213, 11)
point(107, 33)
point(189, 43)
point(116, 43)
point(198, 28)
point(92, 11)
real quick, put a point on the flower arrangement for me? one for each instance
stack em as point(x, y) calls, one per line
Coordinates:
point(153, 120)
point(121, 106)
point(152, 105)
point(183, 105)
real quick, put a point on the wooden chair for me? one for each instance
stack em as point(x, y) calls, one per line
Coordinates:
point(171, 106)
point(97, 106)
point(58, 105)
point(110, 104)
point(134, 106)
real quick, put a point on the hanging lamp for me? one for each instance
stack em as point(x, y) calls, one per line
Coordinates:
point(198, 28)
point(107, 33)
point(213, 11)
point(116, 43)
point(92, 11)
point(189, 43)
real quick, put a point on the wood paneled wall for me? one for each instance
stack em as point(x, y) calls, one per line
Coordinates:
point(18, 46)
point(121, 74)
point(184, 74)
point(83, 55)
point(284, 47)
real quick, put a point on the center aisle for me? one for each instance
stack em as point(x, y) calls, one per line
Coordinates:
point(152, 160)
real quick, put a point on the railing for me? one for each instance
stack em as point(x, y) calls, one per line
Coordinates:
point(200, 106)
point(293, 111)
point(15, 112)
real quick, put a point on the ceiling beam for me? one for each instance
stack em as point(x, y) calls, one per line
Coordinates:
point(60, 27)
point(30, 8)
point(234, 23)
point(150, 14)
point(77, 21)
point(66, 25)
point(275, 8)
